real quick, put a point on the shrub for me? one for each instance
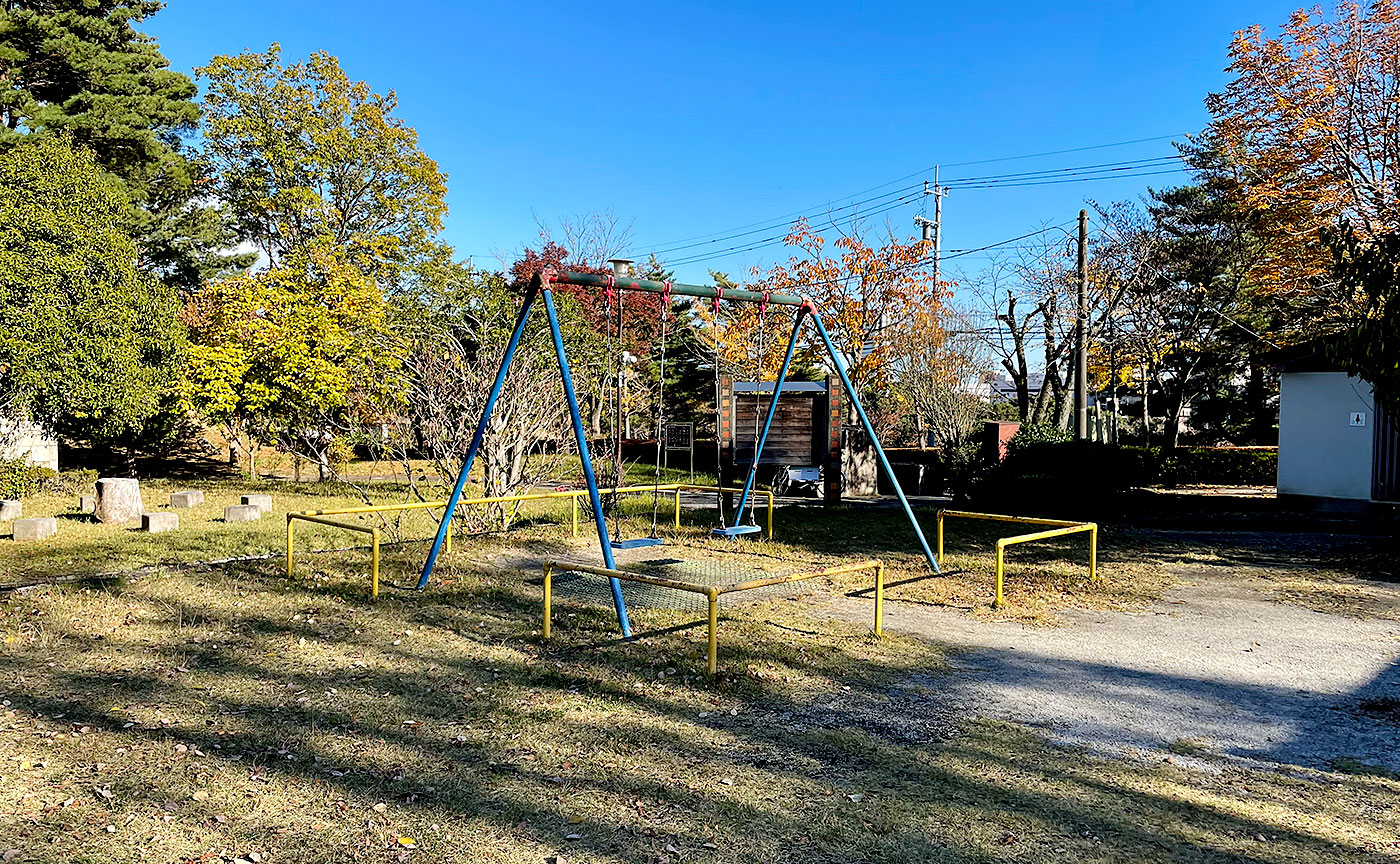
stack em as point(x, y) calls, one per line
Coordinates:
point(1243, 466)
point(1031, 435)
point(20, 479)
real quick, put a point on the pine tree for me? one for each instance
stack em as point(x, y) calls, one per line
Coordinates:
point(80, 68)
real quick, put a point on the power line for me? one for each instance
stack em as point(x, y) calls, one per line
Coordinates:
point(1130, 164)
point(1084, 179)
point(731, 232)
point(1048, 177)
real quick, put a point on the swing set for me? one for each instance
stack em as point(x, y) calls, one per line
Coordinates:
point(541, 289)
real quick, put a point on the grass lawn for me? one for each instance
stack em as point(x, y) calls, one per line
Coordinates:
point(233, 713)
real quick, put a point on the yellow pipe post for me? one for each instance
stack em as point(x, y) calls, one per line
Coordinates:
point(290, 523)
point(940, 539)
point(1093, 552)
point(548, 584)
point(1000, 601)
point(573, 516)
point(714, 638)
point(374, 564)
point(880, 599)
point(770, 515)
point(678, 509)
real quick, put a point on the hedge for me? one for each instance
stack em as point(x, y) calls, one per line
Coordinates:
point(1072, 472)
point(20, 479)
point(1233, 466)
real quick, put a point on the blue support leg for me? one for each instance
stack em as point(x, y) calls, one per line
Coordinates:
point(874, 439)
point(598, 519)
point(446, 524)
point(772, 411)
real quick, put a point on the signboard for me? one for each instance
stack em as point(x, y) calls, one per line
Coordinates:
point(681, 436)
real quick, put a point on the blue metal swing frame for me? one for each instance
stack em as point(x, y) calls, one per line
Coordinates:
point(539, 288)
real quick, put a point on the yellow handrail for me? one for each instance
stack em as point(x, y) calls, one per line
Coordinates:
point(293, 518)
point(714, 592)
point(1063, 527)
point(573, 494)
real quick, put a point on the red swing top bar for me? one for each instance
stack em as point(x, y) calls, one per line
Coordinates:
point(709, 292)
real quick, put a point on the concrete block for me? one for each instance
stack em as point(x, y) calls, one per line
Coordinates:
point(242, 513)
point(118, 500)
point(40, 528)
point(11, 509)
point(87, 503)
point(263, 502)
point(159, 523)
point(188, 498)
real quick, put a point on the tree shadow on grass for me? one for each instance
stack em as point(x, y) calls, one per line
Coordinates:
point(469, 725)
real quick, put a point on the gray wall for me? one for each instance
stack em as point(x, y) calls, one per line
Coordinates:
point(1319, 451)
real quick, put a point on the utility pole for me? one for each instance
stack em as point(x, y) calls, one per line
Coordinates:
point(1081, 334)
point(933, 229)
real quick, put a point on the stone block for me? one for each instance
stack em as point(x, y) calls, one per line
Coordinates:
point(262, 502)
point(242, 513)
point(40, 528)
point(11, 509)
point(118, 500)
point(87, 503)
point(159, 522)
point(187, 498)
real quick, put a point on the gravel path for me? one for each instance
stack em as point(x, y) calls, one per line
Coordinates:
point(1215, 667)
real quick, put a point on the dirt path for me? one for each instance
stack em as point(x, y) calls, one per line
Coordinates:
point(1217, 667)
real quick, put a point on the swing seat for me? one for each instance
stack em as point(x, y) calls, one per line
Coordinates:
point(636, 543)
point(735, 531)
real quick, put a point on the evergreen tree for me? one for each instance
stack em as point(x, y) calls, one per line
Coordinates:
point(82, 69)
point(89, 344)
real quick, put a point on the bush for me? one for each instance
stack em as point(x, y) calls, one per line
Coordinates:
point(1235, 466)
point(1069, 474)
point(1031, 435)
point(20, 479)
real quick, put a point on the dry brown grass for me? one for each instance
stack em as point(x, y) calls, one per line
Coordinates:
point(235, 712)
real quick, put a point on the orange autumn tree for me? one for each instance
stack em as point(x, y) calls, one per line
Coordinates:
point(1309, 132)
point(879, 304)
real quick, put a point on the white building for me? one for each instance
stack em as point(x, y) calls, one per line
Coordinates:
point(28, 442)
point(1333, 443)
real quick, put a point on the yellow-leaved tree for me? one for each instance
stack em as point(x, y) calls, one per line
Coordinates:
point(1309, 134)
point(879, 303)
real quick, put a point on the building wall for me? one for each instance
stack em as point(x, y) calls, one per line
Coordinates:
point(27, 441)
point(1320, 452)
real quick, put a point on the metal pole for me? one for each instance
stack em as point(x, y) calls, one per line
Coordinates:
point(599, 520)
point(446, 524)
point(938, 193)
point(874, 440)
point(772, 410)
point(709, 292)
point(1081, 341)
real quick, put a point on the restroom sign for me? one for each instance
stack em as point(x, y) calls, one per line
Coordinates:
point(1358, 418)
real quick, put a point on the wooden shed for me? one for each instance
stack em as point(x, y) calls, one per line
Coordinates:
point(806, 429)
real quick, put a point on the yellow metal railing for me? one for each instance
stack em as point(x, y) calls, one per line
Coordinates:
point(1060, 527)
point(293, 518)
point(674, 489)
point(714, 592)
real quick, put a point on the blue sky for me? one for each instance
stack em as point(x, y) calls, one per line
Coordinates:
point(696, 118)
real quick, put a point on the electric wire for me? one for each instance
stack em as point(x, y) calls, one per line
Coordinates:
point(789, 217)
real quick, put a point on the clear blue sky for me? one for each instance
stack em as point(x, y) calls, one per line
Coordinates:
point(692, 118)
